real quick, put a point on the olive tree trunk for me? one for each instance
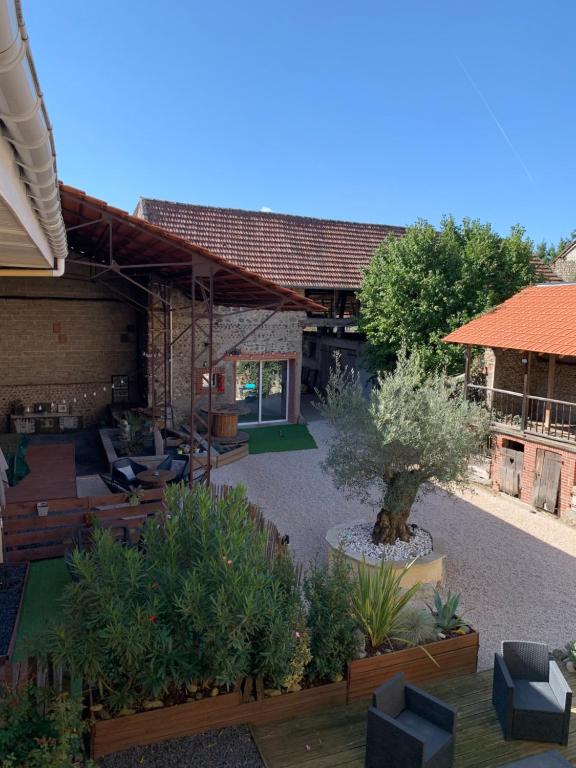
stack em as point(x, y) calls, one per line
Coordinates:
point(392, 521)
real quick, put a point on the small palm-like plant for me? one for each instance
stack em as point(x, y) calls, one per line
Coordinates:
point(445, 612)
point(378, 602)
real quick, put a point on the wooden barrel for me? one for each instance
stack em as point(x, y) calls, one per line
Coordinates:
point(224, 424)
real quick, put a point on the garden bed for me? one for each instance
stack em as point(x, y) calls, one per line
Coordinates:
point(11, 599)
point(455, 656)
point(194, 717)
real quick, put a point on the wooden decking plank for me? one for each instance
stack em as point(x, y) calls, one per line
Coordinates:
point(336, 737)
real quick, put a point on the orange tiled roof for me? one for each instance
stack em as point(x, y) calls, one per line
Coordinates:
point(295, 251)
point(541, 318)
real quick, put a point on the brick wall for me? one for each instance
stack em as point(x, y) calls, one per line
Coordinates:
point(567, 471)
point(281, 334)
point(509, 374)
point(62, 339)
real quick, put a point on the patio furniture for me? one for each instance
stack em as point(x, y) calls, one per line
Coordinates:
point(530, 694)
point(155, 478)
point(178, 466)
point(408, 728)
point(550, 759)
point(124, 473)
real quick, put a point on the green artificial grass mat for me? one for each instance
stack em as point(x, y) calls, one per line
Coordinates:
point(46, 582)
point(280, 437)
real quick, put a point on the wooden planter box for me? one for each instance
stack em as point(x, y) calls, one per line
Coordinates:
point(455, 656)
point(196, 716)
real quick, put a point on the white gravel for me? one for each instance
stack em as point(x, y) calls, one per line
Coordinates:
point(516, 570)
point(358, 538)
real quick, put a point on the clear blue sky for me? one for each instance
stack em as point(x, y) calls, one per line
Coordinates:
point(371, 111)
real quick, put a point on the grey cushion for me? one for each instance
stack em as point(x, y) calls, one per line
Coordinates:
point(127, 471)
point(535, 697)
point(434, 738)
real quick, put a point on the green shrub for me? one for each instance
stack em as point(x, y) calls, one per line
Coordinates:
point(202, 602)
point(378, 602)
point(31, 739)
point(333, 630)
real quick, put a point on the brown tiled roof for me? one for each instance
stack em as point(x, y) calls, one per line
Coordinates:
point(137, 243)
point(541, 318)
point(296, 251)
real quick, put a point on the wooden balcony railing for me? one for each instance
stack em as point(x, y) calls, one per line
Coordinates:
point(528, 413)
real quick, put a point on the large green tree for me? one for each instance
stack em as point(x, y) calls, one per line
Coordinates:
point(421, 286)
point(413, 428)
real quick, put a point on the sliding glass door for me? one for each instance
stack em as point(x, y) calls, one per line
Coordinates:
point(263, 387)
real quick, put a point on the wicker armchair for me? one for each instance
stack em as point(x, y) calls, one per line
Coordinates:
point(530, 694)
point(408, 728)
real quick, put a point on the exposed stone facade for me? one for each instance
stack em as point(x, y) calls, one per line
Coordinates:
point(565, 264)
point(281, 334)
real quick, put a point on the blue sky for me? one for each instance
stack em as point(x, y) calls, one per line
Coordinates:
point(369, 111)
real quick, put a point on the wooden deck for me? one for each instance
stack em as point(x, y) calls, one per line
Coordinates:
point(52, 474)
point(336, 737)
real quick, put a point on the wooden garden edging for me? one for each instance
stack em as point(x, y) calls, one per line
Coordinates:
point(6, 657)
point(456, 656)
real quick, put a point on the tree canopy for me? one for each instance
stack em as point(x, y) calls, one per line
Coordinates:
point(414, 427)
point(420, 287)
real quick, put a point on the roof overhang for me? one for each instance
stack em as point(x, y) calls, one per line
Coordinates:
point(104, 236)
point(541, 318)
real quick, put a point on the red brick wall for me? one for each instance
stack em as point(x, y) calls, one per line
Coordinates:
point(567, 472)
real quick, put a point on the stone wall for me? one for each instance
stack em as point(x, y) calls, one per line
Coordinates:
point(61, 340)
point(281, 334)
point(565, 267)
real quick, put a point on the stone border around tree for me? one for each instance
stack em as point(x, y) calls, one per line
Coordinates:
point(427, 570)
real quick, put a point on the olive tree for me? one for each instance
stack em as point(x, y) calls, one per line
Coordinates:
point(413, 427)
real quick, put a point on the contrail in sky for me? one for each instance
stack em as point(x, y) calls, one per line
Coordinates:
point(498, 124)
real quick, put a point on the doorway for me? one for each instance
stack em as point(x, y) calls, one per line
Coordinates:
point(263, 386)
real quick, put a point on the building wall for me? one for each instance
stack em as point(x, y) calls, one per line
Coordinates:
point(567, 471)
point(282, 333)
point(509, 374)
point(62, 339)
point(565, 267)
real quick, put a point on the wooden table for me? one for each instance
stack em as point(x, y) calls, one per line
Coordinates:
point(156, 478)
point(225, 418)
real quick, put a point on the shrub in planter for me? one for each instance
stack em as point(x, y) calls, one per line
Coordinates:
point(379, 603)
point(200, 605)
point(39, 729)
point(334, 636)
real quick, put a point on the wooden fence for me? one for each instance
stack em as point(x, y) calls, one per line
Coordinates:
point(29, 535)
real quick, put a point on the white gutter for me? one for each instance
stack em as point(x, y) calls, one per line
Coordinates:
point(25, 125)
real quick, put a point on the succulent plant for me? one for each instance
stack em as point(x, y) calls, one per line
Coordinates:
point(445, 612)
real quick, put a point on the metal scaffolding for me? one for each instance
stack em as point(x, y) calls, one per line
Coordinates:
point(114, 247)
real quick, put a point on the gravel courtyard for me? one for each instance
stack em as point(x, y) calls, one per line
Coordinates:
point(516, 570)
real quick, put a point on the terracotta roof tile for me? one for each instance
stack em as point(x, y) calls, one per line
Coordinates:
point(541, 318)
point(296, 251)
